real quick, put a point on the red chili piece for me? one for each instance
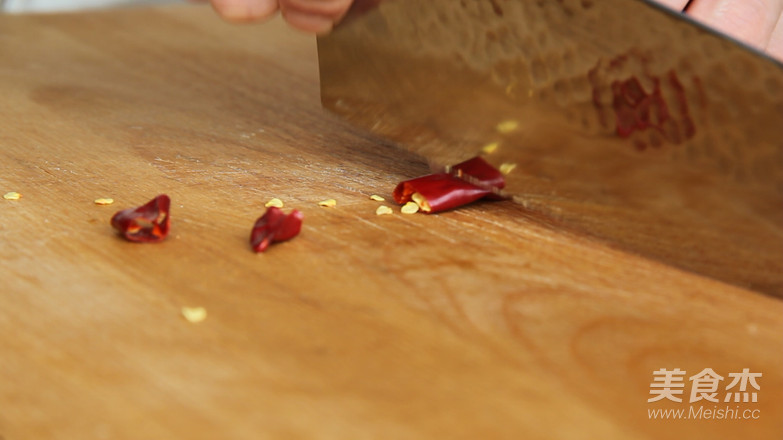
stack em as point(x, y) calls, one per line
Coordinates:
point(468, 181)
point(146, 224)
point(275, 226)
point(481, 173)
point(636, 109)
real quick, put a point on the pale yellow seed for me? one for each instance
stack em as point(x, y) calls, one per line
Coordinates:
point(13, 195)
point(377, 198)
point(410, 208)
point(507, 126)
point(331, 203)
point(276, 203)
point(490, 148)
point(384, 210)
point(104, 201)
point(194, 314)
point(421, 202)
point(506, 168)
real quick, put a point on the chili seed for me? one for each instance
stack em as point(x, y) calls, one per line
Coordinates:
point(506, 127)
point(277, 203)
point(13, 195)
point(194, 314)
point(377, 198)
point(410, 208)
point(104, 201)
point(506, 168)
point(383, 210)
point(490, 148)
point(331, 203)
point(421, 202)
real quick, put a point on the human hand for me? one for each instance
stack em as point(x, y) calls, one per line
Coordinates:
point(757, 23)
point(316, 16)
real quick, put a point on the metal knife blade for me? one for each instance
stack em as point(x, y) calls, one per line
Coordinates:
point(626, 121)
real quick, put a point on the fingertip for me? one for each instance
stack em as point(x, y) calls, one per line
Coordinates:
point(308, 22)
point(245, 10)
point(677, 5)
point(775, 46)
point(334, 9)
point(750, 21)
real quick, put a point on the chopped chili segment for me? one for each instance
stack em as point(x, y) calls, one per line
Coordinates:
point(146, 224)
point(275, 226)
point(465, 182)
point(481, 173)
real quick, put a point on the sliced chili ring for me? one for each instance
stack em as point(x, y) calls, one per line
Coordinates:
point(481, 173)
point(275, 226)
point(464, 183)
point(148, 223)
point(440, 191)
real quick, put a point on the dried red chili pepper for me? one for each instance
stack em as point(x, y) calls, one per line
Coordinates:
point(465, 183)
point(275, 226)
point(481, 173)
point(146, 224)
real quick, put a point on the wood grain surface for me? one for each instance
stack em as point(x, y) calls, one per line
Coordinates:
point(487, 322)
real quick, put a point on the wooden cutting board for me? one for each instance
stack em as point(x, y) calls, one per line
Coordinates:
point(487, 322)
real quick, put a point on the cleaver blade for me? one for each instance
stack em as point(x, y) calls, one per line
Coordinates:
point(627, 122)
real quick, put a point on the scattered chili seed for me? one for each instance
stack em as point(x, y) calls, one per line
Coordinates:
point(465, 182)
point(507, 168)
point(384, 210)
point(13, 195)
point(410, 208)
point(331, 203)
point(104, 201)
point(277, 203)
point(506, 127)
point(194, 314)
point(377, 198)
point(490, 148)
point(421, 202)
point(275, 226)
point(146, 224)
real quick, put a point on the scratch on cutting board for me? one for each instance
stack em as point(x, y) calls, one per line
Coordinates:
point(375, 225)
point(435, 233)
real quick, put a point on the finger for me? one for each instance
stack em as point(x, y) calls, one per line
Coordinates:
point(317, 16)
point(750, 21)
point(317, 24)
point(334, 9)
point(245, 10)
point(677, 5)
point(775, 46)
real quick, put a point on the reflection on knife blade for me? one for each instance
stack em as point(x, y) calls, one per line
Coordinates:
point(672, 151)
